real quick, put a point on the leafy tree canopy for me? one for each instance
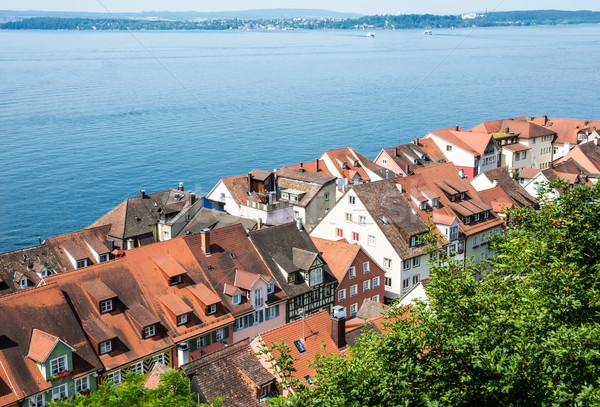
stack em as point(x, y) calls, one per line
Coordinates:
point(527, 334)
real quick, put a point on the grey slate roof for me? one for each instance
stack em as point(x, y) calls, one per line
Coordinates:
point(25, 262)
point(276, 246)
point(214, 219)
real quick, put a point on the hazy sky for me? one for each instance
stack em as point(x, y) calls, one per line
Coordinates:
point(363, 6)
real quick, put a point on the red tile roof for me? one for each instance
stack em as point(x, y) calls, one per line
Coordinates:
point(41, 345)
point(77, 244)
point(472, 142)
point(516, 147)
point(338, 254)
point(524, 129)
point(168, 265)
point(566, 130)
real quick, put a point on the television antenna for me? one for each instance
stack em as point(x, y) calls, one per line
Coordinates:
point(301, 313)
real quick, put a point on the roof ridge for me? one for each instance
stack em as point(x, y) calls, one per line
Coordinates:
point(291, 322)
point(25, 290)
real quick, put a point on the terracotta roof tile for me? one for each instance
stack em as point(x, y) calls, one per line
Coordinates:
point(41, 345)
point(168, 265)
point(204, 294)
point(175, 304)
point(98, 290)
point(26, 262)
point(511, 188)
point(305, 175)
point(566, 129)
point(338, 254)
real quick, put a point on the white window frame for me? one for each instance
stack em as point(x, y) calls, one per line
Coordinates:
point(371, 240)
point(416, 278)
point(353, 309)
point(376, 298)
point(362, 220)
point(105, 347)
point(182, 319)
point(201, 341)
point(327, 196)
point(149, 331)
point(316, 276)
point(61, 363)
point(115, 377)
point(60, 392)
point(236, 299)
point(211, 309)
point(366, 285)
point(176, 279)
point(341, 294)
point(376, 281)
point(103, 258)
point(366, 267)
point(270, 288)
point(348, 217)
point(220, 334)
point(406, 264)
point(354, 290)
point(405, 283)
point(416, 261)
point(258, 297)
point(81, 264)
point(387, 263)
point(387, 281)
point(37, 400)
point(352, 272)
point(82, 384)
point(106, 306)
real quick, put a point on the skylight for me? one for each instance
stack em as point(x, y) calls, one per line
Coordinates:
point(384, 220)
point(300, 346)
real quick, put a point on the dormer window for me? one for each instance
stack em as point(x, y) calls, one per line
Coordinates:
point(285, 195)
point(58, 365)
point(434, 202)
point(270, 288)
point(102, 258)
point(486, 214)
point(467, 220)
point(211, 309)
point(462, 195)
point(106, 306)
point(293, 198)
point(316, 276)
point(423, 206)
point(452, 198)
point(149, 331)
point(175, 280)
point(105, 347)
point(81, 263)
point(182, 319)
point(291, 277)
point(236, 299)
point(413, 241)
point(258, 298)
point(24, 283)
point(476, 217)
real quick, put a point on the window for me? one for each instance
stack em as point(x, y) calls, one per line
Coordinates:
point(524, 155)
point(476, 217)
point(220, 333)
point(58, 365)
point(371, 241)
point(294, 198)
point(416, 279)
point(236, 299)
point(475, 241)
point(348, 217)
point(81, 263)
point(327, 196)
point(24, 282)
point(417, 261)
point(452, 248)
point(387, 263)
point(59, 393)
point(454, 233)
point(258, 298)
point(423, 206)
point(467, 220)
point(366, 285)
point(355, 236)
point(353, 290)
point(366, 267)
point(176, 280)
point(555, 150)
point(254, 318)
point(353, 309)
point(165, 235)
point(82, 384)
point(272, 312)
point(406, 265)
point(413, 241)
point(291, 277)
point(351, 272)
point(362, 220)
point(202, 342)
point(285, 195)
point(106, 306)
point(384, 161)
point(342, 294)
point(352, 200)
point(462, 195)
point(137, 368)
point(105, 347)
point(316, 276)
point(149, 331)
point(517, 156)
point(103, 257)
point(114, 377)
point(375, 282)
point(434, 202)
point(405, 283)
point(387, 281)
point(37, 401)
point(182, 319)
point(211, 309)
point(486, 214)
point(448, 148)
point(300, 347)
point(376, 298)
point(270, 288)
point(339, 232)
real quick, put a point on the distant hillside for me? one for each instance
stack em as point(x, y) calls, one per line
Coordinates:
point(279, 13)
point(290, 19)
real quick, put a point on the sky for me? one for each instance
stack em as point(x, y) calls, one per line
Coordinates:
point(354, 6)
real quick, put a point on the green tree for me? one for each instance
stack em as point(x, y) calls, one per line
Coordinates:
point(527, 334)
point(172, 391)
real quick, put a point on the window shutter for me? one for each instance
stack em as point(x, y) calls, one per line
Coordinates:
point(214, 336)
point(246, 321)
point(260, 316)
point(276, 310)
point(226, 332)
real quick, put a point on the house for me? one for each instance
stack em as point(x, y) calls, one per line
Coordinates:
point(207, 218)
point(470, 151)
point(569, 132)
point(148, 218)
point(586, 157)
point(541, 179)
point(401, 160)
point(523, 143)
point(359, 276)
point(418, 292)
point(252, 196)
point(524, 175)
point(234, 373)
point(26, 267)
point(82, 248)
point(298, 267)
point(459, 213)
point(311, 194)
point(316, 334)
point(44, 353)
point(498, 189)
point(379, 218)
point(240, 279)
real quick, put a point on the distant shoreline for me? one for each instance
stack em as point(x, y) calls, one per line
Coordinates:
point(386, 22)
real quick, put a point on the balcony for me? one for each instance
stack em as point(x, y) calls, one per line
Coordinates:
point(266, 207)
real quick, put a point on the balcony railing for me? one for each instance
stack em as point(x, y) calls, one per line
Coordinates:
point(267, 207)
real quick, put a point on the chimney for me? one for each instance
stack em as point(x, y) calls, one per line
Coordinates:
point(299, 224)
point(461, 173)
point(143, 193)
point(338, 326)
point(507, 130)
point(130, 244)
point(181, 186)
point(457, 127)
point(317, 165)
point(301, 169)
point(545, 120)
point(387, 173)
point(259, 224)
point(110, 244)
point(397, 152)
point(205, 240)
point(495, 182)
point(250, 182)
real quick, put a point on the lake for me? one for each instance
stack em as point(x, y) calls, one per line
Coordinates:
point(88, 118)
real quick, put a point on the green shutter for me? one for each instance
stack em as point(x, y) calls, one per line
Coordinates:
point(214, 336)
point(226, 333)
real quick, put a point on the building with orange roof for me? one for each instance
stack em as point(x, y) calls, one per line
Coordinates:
point(534, 185)
point(252, 196)
point(471, 151)
point(82, 248)
point(403, 159)
point(359, 276)
point(316, 334)
point(44, 353)
point(586, 157)
point(240, 280)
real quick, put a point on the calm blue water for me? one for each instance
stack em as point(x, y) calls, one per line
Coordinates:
point(89, 118)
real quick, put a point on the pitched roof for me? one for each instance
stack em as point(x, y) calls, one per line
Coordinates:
point(528, 173)
point(587, 155)
point(516, 147)
point(317, 166)
point(25, 262)
point(411, 155)
point(338, 254)
point(353, 335)
point(32, 322)
point(303, 175)
point(233, 372)
point(213, 219)
point(308, 190)
point(472, 142)
point(232, 256)
point(153, 379)
point(566, 130)
point(520, 127)
point(317, 340)
point(344, 160)
point(371, 309)
point(276, 246)
point(517, 194)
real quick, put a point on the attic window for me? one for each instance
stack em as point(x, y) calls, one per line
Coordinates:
point(211, 309)
point(384, 220)
point(105, 347)
point(467, 220)
point(106, 306)
point(486, 214)
point(462, 195)
point(300, 346)
point(175, 280)
point(81, 263)
point(232, 255)
point(423, 206)
point(236, 299)
point(291, 277)
point(58, 365)
point(452, 198)
point(309, 380)
point(149, 331)
point(182, 319)
point(270, 288)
